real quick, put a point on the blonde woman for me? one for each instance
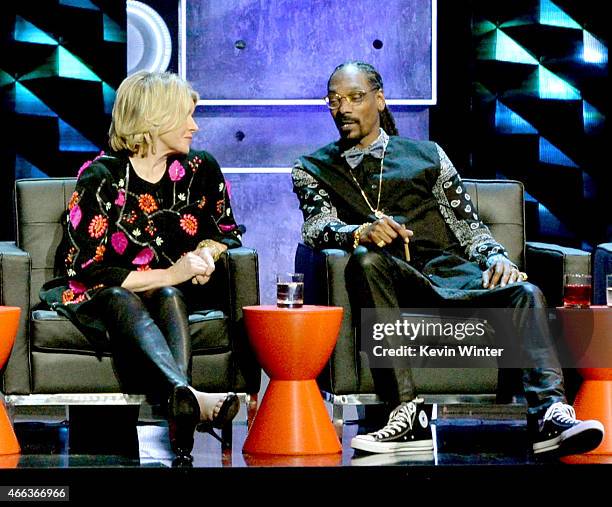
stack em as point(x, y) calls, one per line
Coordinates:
point(144, 228)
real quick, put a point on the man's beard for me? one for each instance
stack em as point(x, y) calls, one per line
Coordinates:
point(344, 134)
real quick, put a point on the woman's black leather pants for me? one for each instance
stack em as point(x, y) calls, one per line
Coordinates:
point(149, 335)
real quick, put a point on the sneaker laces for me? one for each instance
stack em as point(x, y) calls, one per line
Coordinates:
point(401, 417)
point(562, 412)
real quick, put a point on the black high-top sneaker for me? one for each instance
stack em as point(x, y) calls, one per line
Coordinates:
point(560, 431)
point(406, 431)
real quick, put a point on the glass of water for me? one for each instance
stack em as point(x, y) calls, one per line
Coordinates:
point(289, 290)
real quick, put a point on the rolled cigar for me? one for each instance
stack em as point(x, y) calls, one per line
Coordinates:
point(406, 248)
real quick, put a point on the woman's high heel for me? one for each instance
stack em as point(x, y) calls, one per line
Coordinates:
point(227, 411)
point(183, 417)
point(223, 419)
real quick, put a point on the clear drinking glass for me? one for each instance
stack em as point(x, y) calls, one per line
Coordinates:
point(289, 290)
point(609, 290)
point(577, 291)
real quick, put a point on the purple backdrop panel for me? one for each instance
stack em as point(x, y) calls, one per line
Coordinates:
point(285, 49)
point(267, 206)
point(275, 136)
point(265, 203)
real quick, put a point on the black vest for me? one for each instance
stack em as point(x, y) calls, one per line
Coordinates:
point(411, 169)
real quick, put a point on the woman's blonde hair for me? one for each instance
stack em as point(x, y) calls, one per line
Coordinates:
point(147, 105)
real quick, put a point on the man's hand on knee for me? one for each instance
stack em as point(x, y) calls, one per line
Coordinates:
point(501, 273)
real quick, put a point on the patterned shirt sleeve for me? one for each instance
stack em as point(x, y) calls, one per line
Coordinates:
point(90, 217)
point(461, 216)
point(322, 228)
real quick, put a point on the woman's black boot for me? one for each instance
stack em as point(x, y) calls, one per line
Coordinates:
point(183, 417)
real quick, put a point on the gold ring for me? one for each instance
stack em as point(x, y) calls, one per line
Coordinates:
point(380, 244)
point(523, 275)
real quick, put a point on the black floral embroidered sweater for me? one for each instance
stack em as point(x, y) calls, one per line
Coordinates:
point(117, 222)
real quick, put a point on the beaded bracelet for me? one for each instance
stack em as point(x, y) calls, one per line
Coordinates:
point(358, 232)
point(215, 252)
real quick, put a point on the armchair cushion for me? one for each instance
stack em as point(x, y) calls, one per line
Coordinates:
point(53, 332)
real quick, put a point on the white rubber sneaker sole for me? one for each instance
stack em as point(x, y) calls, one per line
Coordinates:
point(392, 458)
point(365, 443)
point(583, 437)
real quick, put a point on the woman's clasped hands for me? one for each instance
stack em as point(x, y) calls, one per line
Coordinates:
point(197, 266)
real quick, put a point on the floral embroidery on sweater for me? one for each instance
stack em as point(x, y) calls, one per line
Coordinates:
point(118, 223)
point(147, 203)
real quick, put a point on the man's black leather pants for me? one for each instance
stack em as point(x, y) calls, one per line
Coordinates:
point(377, 280)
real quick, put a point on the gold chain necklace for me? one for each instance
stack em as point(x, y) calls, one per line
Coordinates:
point(377, 213)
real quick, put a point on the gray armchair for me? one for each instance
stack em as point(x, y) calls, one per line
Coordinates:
point(53, 363)
point(346, 379)
point(602, 266)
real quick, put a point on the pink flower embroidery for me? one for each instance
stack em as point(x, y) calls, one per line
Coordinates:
point(88, 163)
point(87, 263)
point(76, 287)
point(83, 167)
point(227, 228)
point(144, 257)
point(119, 242)
point(120, 201)
point(176, 171)
point(75, 216)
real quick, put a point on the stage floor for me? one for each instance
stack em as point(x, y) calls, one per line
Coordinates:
point(469, 451)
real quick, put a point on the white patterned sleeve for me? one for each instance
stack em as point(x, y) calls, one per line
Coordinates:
point(322, 228)
point(461, 216)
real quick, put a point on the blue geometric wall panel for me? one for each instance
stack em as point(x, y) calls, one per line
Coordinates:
point(543, 63)
point(60, 64)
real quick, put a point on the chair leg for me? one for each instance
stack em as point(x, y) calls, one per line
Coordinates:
point(252, 401)
point(338, 419)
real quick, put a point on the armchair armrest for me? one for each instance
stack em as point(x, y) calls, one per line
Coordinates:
point(324, 284)
point(15, 270)
point(240, 269)
point(547, 263)
point(602, 266)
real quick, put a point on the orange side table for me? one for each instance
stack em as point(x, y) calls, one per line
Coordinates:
point(292, 346)
point(588, 333)
point(9, 322)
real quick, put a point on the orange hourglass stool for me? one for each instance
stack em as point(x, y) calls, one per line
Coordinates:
point(588, 333)
point(292, 346)
point(9, 322)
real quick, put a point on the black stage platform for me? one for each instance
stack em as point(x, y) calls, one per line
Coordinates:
point(472, 455)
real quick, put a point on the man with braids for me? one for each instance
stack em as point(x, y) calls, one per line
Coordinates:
point(372, 193)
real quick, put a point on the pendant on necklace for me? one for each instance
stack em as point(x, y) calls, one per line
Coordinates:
point(379, 214)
